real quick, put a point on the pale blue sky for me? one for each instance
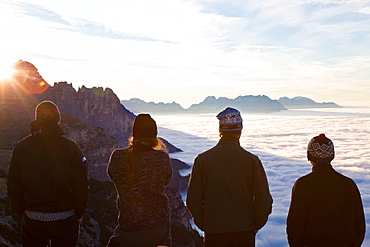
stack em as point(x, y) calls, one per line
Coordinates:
point(184, 51)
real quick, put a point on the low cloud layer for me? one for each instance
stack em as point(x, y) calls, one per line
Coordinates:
point(280, 140)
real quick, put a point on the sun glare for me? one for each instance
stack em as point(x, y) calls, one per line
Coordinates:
point(6, 71)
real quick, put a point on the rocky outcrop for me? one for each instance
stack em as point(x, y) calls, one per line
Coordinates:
point(94, 142)
point(95, 106)
point(178, 181)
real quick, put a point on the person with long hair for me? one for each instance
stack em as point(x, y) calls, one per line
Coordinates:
point(140, 173)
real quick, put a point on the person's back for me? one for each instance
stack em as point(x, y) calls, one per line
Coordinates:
point(143, 203)
point(47, 182)
point(228, 194)
point(140, 173)
point(230, 184)
point(326, 208)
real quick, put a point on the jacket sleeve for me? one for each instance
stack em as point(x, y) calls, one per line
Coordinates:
point(359, 218)
point(79, 182)
point(297, 217)
point(262, 197)
point(194, 198)
point(15, 184)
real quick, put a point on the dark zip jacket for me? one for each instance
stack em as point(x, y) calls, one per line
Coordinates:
point(48, 172)
point(326, 210)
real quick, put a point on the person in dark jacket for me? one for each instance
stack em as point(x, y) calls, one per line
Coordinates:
point(326, 208)
point(140, 174)
point(228, 194)
point(48, 182)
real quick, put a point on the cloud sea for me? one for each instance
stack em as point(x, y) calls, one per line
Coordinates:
point(280, 140)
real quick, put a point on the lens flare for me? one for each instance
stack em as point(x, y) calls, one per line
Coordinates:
point(6, 73)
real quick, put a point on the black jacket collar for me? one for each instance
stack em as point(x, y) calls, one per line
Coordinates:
point(45, 129)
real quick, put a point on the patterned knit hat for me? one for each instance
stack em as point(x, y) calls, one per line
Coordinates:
point(47, 110)
point(230, 120)
point(320, 149)
point(144, 126)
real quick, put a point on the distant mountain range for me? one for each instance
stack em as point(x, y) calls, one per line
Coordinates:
point(211, 104)
point(304, 103)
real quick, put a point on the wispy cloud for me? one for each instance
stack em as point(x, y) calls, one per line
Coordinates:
point(86, 27)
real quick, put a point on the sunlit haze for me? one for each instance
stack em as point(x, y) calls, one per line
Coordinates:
point(185, 50)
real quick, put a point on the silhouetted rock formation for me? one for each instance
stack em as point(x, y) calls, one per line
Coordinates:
point(98, 123)
point(94, 106)
point(303, 103)
point(28, 78)
point(178, 181)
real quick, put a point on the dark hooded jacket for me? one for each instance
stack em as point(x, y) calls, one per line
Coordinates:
point(48, 172)
point(326, 210)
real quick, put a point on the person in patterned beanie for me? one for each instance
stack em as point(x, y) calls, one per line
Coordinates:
point(320, 149)
point(228, 194)
point(326, 207)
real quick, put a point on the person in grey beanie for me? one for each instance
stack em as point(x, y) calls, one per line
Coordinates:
point(228, 194)
point(326, 208)
point(48, 182)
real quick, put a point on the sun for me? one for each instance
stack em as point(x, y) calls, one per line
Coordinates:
point(6, 70)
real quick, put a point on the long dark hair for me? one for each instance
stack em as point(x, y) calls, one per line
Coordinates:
point(136, 146)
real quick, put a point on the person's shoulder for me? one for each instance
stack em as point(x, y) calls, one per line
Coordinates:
point(345, 179)
point(208, 151)
point(119, 152)
point(69, 142)
point(161, 153)
point(306, 178)
point(248, 153)
point(24, 142)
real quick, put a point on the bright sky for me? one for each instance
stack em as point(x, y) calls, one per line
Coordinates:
point(186, 50)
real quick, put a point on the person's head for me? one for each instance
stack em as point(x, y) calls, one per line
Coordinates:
point(144, 132)
point(144, 137)
point(48, 111)
point(320, 149)
point(230, 123)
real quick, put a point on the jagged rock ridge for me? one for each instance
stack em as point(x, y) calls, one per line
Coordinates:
point(94, 106)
